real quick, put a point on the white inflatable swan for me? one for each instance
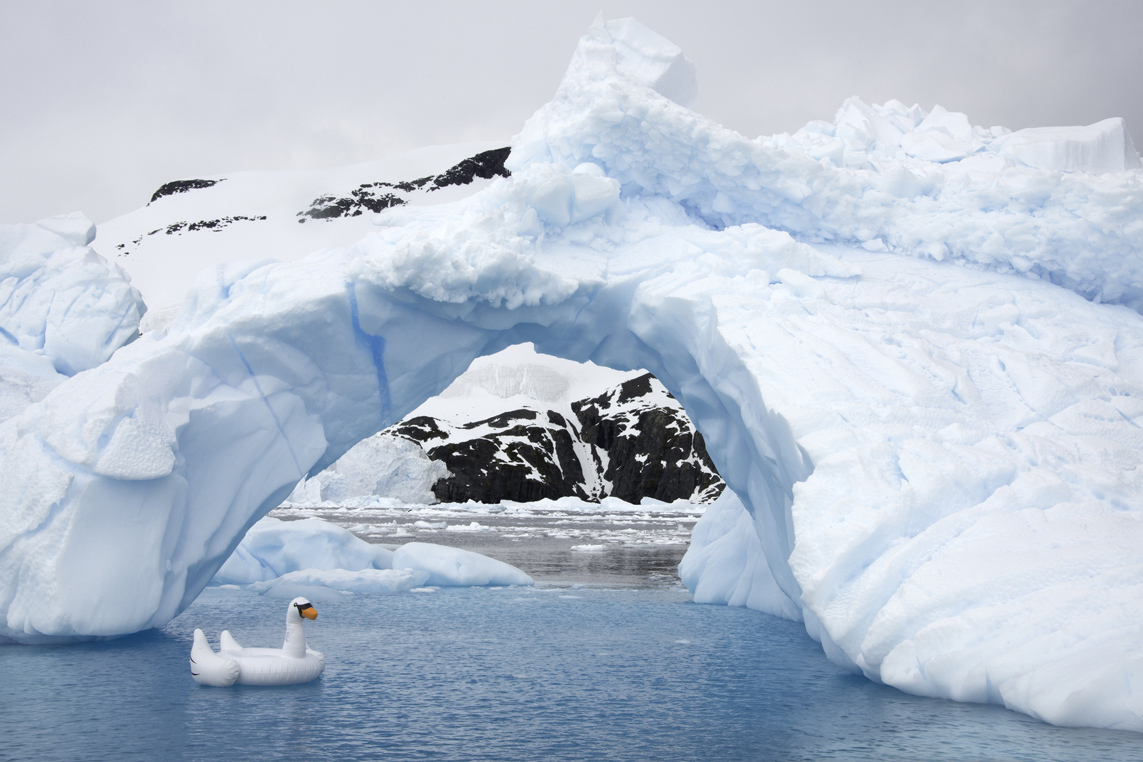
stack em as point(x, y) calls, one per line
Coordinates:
point(291, 664)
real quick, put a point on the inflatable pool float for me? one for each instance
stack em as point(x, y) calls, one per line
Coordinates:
point(291, 664)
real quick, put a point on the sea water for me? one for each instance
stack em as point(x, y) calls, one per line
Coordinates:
point(546, 673)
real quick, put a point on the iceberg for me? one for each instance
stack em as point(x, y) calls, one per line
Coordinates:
point(920, 375)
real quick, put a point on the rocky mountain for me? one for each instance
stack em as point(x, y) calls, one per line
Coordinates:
point(629, 439)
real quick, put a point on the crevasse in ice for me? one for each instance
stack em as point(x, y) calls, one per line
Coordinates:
point(910, 344)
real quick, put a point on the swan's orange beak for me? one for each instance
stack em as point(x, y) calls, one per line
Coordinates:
point(309, 612)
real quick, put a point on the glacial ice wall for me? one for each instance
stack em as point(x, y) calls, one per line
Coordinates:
point(933, 436)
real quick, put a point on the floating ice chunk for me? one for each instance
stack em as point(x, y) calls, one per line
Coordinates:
point(273, 548)
point(383, 465)
point(943, 465)
point(454, 567)
point(287, 556)
point(374, 581)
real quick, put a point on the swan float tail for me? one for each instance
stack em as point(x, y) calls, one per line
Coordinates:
point(207, 667)
point(226, 642)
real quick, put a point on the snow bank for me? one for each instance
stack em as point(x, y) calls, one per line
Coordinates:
point(60, 299)
point(281, 557)
point(943, 464)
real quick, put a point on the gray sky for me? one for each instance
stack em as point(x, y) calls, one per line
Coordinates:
point(100, 103)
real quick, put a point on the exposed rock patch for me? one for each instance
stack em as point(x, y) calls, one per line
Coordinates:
point(631, 442)
point(378, 196)
point(181, 186)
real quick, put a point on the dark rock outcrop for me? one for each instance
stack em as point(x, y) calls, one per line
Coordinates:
point(525, 457)
point(652, 450)
point(181, 186)
point(484, 165)
point(631, 442)
point(378, 196)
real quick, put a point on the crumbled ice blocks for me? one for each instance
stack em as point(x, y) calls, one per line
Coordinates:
point(281, 557)
point(943, 464)
point(867, 136)
point(923, 184)
point(59, 298)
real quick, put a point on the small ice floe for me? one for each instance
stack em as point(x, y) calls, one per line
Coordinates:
point(472, 526)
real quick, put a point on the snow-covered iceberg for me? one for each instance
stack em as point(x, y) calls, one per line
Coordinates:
point(920, 374)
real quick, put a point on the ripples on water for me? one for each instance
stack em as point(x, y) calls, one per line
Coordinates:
point(502, 674)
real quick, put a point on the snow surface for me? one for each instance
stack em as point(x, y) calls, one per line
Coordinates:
point(282, 558)
point(256, 216)
point(891, 359)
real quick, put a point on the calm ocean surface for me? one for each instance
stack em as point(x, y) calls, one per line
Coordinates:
point(502, 674)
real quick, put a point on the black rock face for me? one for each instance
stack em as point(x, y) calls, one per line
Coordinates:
point(378, 196)
point(361, 199)
point(484, 165)
point(651, 450)
point(181, 186)
point(635, 440)
point(526, 457)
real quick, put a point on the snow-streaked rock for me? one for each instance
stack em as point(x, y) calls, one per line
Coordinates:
point(521, 426)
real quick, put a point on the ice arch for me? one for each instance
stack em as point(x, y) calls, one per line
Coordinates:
point(135, 482)
point(941, 464)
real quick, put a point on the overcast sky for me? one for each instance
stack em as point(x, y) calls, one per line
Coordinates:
point(100, 103)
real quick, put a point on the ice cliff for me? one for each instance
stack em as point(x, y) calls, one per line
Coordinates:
point(911, 344)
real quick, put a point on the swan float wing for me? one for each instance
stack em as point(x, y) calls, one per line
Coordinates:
point(226, 642)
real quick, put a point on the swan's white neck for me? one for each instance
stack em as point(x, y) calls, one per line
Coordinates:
point(295, 645)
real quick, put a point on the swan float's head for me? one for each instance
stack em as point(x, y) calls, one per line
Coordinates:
point(303, 608)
